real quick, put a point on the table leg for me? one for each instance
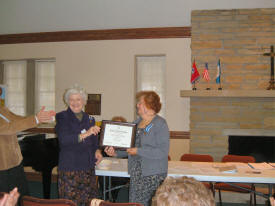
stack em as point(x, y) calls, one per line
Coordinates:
point(270, 190)
point(104, 188)
point(110, 188)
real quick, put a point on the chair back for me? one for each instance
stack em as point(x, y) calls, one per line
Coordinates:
point(33, 201)
point(197, 158)
point(104, 203)
point(99, 202)
point(238, 158)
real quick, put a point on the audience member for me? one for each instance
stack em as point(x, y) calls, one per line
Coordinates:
point(10, 199)
point(183, 191)
point(79, 153)
point(119, 119)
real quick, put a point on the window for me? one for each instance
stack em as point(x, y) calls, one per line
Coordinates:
point(45, 85)
point(151, 76)
point(30, 85)
point(15, 79)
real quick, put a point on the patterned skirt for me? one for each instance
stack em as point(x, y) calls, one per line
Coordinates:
point(78, 186)
point(143, 188)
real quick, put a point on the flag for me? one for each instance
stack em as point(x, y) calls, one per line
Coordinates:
point(218, 77)
point(205, 73)
point(194, 74)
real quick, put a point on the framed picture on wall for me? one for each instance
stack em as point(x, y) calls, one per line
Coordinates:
point(93, 106)
point(3, 94)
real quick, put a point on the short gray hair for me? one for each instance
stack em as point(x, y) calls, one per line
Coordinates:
point(75, 89)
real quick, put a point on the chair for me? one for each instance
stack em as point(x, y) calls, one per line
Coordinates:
point(104, 203)
point(200, 158)
point(33, 201)
point(227, 187)
point(99, 202)
point(169, 158)
point(197, 158)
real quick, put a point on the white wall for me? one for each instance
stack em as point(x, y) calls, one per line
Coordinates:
point(17, 16)
point(107, 67)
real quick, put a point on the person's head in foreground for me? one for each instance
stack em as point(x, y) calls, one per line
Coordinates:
point(119, 119)
point(183, 191)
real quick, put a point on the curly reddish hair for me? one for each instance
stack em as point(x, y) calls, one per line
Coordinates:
point(151, 99)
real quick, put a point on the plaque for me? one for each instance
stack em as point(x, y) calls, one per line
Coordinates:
point(120, 135)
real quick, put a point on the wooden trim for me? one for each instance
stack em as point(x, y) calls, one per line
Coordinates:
point(109, 34)
point(179, 135)
point(41, 130)
point(37, 177)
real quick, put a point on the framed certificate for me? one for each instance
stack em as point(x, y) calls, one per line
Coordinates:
point(120, 135)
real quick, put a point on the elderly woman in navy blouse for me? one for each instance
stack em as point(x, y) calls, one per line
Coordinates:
point(79, 153)
point(148, 160)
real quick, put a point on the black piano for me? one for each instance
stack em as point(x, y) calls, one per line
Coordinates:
point(42, 155)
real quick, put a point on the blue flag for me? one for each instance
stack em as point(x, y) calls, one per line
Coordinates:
point(218, 77)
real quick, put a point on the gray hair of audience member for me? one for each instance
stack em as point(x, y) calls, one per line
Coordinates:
point(183, 191)
point(119, 119)
point(76, 89)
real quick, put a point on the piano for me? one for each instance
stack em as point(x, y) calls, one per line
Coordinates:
point(41, 154)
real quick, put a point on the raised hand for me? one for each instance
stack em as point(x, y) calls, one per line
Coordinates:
point(45, 116)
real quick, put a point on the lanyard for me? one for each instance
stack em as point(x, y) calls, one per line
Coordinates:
point(5, 118)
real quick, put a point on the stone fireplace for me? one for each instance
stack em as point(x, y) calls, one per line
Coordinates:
point(239, 38)
point(212, 117)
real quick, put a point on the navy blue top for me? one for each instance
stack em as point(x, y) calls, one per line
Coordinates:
point(74, 155)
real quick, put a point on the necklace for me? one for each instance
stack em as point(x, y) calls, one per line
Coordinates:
point(145, 122)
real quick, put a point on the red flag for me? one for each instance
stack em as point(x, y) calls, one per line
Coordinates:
point(194, 74)
point(205, 73)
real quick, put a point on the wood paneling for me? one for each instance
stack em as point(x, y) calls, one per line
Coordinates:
point(41, 130)
point(179, 135)
point(110, 34)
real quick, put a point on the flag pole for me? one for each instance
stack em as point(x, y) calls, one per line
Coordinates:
point(208, 86)
point(194, 86)
point(219, 75)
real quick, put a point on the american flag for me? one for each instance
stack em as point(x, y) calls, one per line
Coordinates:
point(205, 73)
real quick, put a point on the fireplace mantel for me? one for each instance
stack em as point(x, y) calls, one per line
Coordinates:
point(228, 93)
point(250, 132)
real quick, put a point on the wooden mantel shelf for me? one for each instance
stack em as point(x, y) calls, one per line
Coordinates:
point(228, 93)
